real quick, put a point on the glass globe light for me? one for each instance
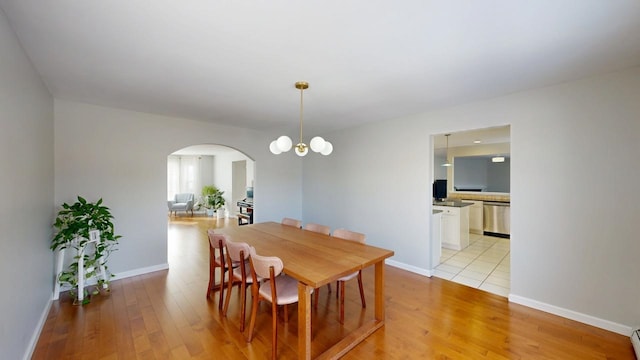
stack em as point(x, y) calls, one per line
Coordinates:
point(328, 148)
point(274, 147)
point(284, 143)
point(317, 144)
point(301, 149)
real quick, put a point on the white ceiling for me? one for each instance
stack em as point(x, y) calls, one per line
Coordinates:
point(235, 62)
point(493, 135)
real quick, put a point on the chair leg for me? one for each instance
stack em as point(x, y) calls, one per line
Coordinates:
point(286, 314)
point(316, 295)
point(221, 288)
point(341, 291)
point(364, 303)
point(243, 303)
point(227, 298)
point(254, 311)
point(212, 272)
point(243, 300)
point(274, 326)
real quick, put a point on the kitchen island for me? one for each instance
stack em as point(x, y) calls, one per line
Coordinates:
point(455, 223)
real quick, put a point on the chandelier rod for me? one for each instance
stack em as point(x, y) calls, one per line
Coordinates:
point(301, 87)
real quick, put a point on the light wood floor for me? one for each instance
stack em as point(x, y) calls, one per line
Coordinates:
point(164, 315)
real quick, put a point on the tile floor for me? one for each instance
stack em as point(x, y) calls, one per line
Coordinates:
point(484, 264)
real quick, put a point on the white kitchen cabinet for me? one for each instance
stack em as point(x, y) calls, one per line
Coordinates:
point(455, 226)
point(476, 223)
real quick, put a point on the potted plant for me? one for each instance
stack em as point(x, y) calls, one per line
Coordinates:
point(218, 203)
point(72, 226)
point(208, 192)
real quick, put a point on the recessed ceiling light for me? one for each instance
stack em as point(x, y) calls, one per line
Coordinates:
point(477, 141)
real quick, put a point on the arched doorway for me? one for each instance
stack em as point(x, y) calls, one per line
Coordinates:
point(193, 167)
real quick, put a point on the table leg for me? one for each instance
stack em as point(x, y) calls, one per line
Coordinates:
point(304, 321)
point(367, 328)
point(379, 291)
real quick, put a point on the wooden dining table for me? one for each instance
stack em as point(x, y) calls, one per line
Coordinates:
point(315, 260)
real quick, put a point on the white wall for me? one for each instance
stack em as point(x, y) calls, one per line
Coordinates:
point(574, 150)
point(26, 209)
point(206, 172)
point(584, 247)
point(121, 156)
point(377, 181)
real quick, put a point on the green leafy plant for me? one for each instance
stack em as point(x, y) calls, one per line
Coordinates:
point(218, 200)
point(207, 193)
point(72, 226)
point(212, 196)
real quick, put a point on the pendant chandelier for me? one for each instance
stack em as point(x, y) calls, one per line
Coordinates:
point(284, 143)
point(447, 163)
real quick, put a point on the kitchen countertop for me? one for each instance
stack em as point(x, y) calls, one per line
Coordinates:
point(479, 196)
point(452, 203)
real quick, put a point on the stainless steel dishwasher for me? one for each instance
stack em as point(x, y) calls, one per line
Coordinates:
point(497, 218)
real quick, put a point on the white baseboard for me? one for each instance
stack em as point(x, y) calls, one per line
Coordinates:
point(47, 307)
point(572, 315)
point(538, 305)
point(410, 268)
point(118, 276)
point(36, 334)
point(140, 271)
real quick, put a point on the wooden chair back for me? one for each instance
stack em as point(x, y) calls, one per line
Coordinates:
point(322, 229)
point(260, 266)
point(238, 251)
point(292, 222)
point(349, 235)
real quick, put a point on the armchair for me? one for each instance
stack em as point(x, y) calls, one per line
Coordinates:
point(181, 202)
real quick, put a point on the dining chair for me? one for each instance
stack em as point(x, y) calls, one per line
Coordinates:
point(238, 253)
point(278, 289)
point(217, 244)
point(322, 229)
point(292, 222)
point(351, 236)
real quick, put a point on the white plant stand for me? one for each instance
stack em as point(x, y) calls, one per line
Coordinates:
point(95, 240)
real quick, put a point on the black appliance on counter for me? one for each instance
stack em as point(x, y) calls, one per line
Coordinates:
point(440, 190)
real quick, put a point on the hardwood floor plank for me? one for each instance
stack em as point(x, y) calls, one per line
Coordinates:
point(165, 315)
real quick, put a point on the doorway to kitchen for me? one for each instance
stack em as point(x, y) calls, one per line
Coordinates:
point(474, 242)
